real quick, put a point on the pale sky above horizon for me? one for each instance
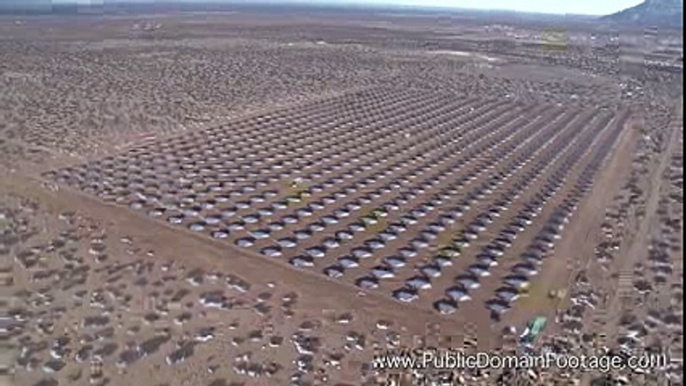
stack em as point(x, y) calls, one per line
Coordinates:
point(584, 7)
point(587, 7)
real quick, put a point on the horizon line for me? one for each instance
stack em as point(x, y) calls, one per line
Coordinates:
point(41, 4)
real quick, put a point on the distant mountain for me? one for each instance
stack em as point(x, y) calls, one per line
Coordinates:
point(654, 13)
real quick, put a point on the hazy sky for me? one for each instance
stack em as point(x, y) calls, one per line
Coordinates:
point(587, 7)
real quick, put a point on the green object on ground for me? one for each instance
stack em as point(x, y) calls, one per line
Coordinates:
point(537, 326)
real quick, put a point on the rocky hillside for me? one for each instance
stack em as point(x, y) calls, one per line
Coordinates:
point(658, 13)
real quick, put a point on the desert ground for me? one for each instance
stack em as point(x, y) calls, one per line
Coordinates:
point(273, 198)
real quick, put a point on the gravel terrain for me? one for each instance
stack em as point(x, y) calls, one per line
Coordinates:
point(243, 199)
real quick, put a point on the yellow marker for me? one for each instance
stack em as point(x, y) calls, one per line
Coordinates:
point(554, 39)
